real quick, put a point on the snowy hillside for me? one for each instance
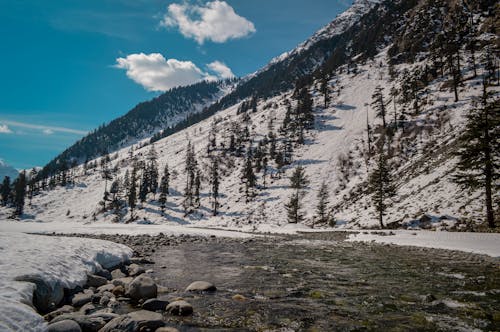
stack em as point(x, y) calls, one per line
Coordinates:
point(425, 121)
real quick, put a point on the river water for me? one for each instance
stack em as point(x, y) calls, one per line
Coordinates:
point(318, 282)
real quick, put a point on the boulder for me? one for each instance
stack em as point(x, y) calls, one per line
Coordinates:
point(179, 308)
point(66, 309)
point(106, 288)
point(154, 305)
point(103, 273)
point(89, 323)
point(122, 281)
point(167, 329)
point(117, 274)
point(80, 299)
point(96, 281)
point(45, 297)
point(87, 308)
point(141, 320)
point(201, 286)
point(64, 326)
point(118, 291)
point(142, 288)
point(134, 270)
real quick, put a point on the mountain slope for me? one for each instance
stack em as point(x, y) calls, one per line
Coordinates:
point(424, 124)
point(7, 170)
point(144, 120)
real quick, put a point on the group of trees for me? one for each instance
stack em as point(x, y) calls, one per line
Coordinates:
point(14, 194)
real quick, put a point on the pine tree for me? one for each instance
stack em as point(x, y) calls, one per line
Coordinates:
point(480, 149)
point(298, 182)
point(116, 201)
point(380, 183)
point(214, 184)
point(19, 193)
point(197, 187)
point(132, 192)
point(152, 171)
point(191, 169)
point(378, 104)
point(5, 190)
point(248, 177)
point(322, 208)
point(164, 187)
point(32, 184)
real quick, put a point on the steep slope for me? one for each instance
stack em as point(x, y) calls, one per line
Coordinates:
point(425, 126)
point(142, 121)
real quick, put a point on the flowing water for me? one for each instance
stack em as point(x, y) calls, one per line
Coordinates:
point(318, 282)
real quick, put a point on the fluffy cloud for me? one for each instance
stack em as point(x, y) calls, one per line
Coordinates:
point(4, 129)
point(155, 73)
point(215, 21)
point(220, 69)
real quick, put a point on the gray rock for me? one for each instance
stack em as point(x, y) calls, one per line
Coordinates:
point(96, 281)
point(135, 270)
point(122, 281)
point(66, 309)
point(154, 305)
point(64, 326)
point(201, 286)
point(87, 308)
point(103, 273)
point(179, 308)
point(135, 321)
point(167, 329)
point(142, 288)
point(80, 299)
point(118, 291)
point(117, 274)
point(87, 323)
point(45, 297)
point(105, 288)
point(104, 300)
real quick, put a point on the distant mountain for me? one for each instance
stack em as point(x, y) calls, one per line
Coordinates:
point(144, 120)
point(7, 170)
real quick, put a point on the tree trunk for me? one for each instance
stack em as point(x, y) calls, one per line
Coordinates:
point(488, 172)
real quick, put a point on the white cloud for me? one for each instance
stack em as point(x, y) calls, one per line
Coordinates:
point(215, 21)
point(155, 73)
point(48, 130)
point(220, 69)
point(4, 129)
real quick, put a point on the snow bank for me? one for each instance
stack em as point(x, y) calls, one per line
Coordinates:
point(478, 243)
point(56, 260)
point(123, 229)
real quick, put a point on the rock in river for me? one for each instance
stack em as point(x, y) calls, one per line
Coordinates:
point(201, 286)
point(142, 288)
point(180, 308)
point(64, 326)
point(141, 320)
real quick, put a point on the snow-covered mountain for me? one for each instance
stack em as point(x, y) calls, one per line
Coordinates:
point(368, 47)
point(7, 170)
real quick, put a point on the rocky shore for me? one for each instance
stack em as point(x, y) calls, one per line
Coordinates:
point(308, 282)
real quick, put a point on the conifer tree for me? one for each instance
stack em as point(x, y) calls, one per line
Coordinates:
point(298, 182)
point(325, 90)
point(5, 190)
point(479, 153)
point(164, 187)
point(378, 104)
point(380, 183)
point(19, 193)
point(132, 192)
point(214, 184)
point(197, 188)
point(191, 169)
point(322, 214)
point(248, 177)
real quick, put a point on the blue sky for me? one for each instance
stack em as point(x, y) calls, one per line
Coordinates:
point(69, 66)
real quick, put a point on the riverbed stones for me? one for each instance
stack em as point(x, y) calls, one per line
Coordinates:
point(118, 291)
point(179, 308)
point(96, 281)
point(201, 286)
point(117, 274)
point(80, 299)
point(134, 270)
point(65, 326)
point(106, 288)
point(91, 323)
point(141, 320)
point(122, 281)
point(66, 309)
point(167, 329)
point(154, 305)
point(142, 288)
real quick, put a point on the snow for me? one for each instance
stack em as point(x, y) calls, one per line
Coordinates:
point(478, 243)
point(129, 229)
point(57, 260)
